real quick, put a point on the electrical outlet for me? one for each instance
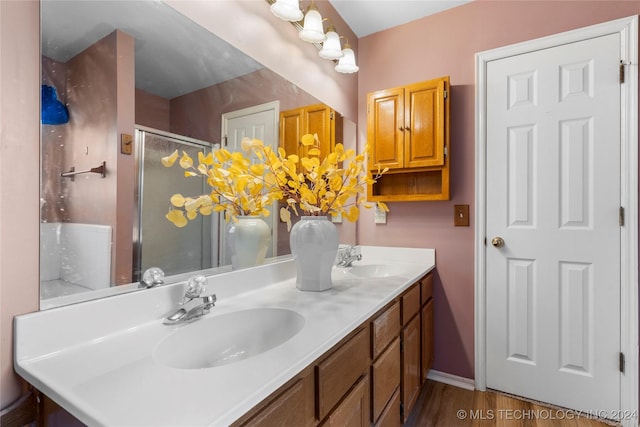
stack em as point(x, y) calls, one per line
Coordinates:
point(380, 216)
point(461, 215)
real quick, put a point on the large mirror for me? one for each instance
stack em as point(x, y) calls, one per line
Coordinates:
point(124, 84)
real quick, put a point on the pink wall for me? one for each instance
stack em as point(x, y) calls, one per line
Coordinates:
point(100, 97)
point(445, 44)
point(152, 111)
point(197, 114)
point(54, 73)
point(125, 166)
point(19, 177)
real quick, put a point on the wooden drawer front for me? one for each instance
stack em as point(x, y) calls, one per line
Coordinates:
point(427, 288)
point(410, 303)
point(384, 329)
point(391, 415)
point(354, 409)
point(338, 372)
point(385, 377)
point(288, 409)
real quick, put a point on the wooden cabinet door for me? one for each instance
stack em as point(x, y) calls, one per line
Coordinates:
point(318, 121)
point(291, 130)
point(354, 409)
point(385, 128)
point(424, 123)
point(293, 407)
point(410, 386)
point(385, 379)
point(427, 338)
point(337, 373)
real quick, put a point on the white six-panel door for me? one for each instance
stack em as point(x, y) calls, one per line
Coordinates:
point(553, 197)
point(261, 122)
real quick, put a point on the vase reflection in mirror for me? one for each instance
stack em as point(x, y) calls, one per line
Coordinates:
point(314, 245)
point(248, 241)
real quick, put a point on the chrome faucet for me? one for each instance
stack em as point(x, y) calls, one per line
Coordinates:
point(152, 277)
point(194, 305)
point(347, 255)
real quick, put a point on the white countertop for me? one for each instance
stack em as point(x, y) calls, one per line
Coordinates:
point(96, 358)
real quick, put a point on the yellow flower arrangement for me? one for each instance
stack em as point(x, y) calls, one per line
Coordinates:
point(314, 187)
point(308, 185)
point(237, 187)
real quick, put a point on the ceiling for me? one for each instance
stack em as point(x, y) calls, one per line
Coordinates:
point(370, 16)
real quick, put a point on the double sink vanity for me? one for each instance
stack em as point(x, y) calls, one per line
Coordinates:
point(266, 354)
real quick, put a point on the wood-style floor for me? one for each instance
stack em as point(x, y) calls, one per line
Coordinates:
point(443, 405)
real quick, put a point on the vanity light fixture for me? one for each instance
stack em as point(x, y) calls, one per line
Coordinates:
point(287, 10)
point(347, 64)
point(312, 30)
point(331, 48)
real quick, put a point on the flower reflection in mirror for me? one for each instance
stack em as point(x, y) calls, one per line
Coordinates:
point(315, 186)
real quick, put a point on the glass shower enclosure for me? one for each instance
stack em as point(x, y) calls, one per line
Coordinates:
point(157, 242)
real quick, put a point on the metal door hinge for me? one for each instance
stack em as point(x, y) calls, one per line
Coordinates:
point(621, 72)
point(621, 361)
point(446, 152)
point(621, 216)
point(446, 94)
point(331, 115)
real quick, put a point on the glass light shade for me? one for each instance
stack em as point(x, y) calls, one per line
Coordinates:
point(331, 48)
point(347, 64)
point(312, 30)
point(288, 10)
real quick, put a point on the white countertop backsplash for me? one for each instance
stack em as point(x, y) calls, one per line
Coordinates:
point(96, 358)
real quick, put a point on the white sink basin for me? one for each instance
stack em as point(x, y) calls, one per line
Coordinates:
point(374, 270)
point(228, 338)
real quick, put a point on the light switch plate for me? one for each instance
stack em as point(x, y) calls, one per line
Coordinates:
point(126, 143)
point(337, 219)
point(461, 215)
point(380, 217)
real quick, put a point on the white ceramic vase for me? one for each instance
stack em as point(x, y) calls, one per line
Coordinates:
point(314, 244)
point(248, 241)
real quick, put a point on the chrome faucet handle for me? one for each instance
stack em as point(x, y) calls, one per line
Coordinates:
point(196, 285)
point(151, 277)
point(347, 255)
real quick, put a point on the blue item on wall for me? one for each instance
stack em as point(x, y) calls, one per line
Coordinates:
point(53, 111)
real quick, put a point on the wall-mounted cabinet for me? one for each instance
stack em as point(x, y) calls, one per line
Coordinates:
point(408, 132)
point(314, 119)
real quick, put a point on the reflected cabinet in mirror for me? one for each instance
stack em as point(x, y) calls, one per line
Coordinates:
point(125, 84)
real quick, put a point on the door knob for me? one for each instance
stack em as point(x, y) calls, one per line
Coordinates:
point(498, 242)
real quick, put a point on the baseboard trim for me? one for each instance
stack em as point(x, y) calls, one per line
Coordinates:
point(450, 379)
